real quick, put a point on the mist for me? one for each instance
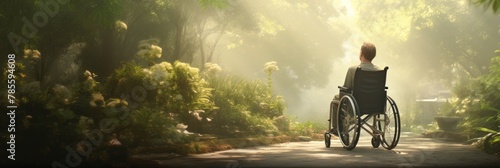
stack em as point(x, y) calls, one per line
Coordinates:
point(165, 75)
point(424, 43)
point(421, 46)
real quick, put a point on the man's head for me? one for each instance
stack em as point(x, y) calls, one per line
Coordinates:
point(368, 51)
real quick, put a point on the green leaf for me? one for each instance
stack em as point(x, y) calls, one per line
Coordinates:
point(495, 6)
point(485, 130)
point(491, 108)
point(496, 140)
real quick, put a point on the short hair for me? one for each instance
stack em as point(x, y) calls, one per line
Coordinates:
point(369, 50)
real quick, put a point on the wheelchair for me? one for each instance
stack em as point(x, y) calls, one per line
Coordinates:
point(366, 107)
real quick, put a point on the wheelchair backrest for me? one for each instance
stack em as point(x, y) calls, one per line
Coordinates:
point(369, 90)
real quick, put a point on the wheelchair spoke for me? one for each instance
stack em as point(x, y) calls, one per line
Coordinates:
point(348, 122)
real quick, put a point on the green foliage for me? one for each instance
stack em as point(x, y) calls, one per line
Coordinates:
point(42, 114)
point(149, 50)
point(449, 109)
point(410, 121)
point(218, 4)
point(307, 128)
point(193, 90)
point(490, 142)
point(283, 123)
point(244, 105)
point(179, 88)
point(89, 84)
point(479, 98)
point(153, 127)
point(493, 4)
point(124, 79)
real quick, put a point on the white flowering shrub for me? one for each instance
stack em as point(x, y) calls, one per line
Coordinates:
point(271, 66)
point(180, 88)
point(158, 75)
point(90, 85)
point(26, 68)
point(44, 110)
point(211, 68)
point(149, 50)
point(120, 26)
point(124, 79)
point(176, 88)
point(32, 54)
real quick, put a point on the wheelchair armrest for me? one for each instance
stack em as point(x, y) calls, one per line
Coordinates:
point(344, 89)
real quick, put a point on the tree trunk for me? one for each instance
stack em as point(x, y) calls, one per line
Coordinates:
point(106, 64)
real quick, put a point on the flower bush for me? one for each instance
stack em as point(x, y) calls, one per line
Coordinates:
point(157, 103)
point(124, 79)
point(244, 106)
point(149, 50)
point(153, 127)
point(179, 89)
point(211, 69)
point(44, 112)
point(269, 67)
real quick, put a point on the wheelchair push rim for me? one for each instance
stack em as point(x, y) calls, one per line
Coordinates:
point(348, 122)
point(390, 125)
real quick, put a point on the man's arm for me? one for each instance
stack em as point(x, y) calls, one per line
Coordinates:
point(349, 78)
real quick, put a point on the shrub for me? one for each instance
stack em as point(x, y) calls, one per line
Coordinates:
point(244, 105)
point(124, 79)
point(153, 127)
point(307, 128)
point(479, 100)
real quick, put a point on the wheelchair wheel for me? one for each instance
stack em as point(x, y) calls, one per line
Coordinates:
point(333, 117)
point(390, 125)
point(376, 142)
point(348, 122)
point(327, 139)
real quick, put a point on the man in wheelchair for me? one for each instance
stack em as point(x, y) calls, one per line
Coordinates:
point(364, 97)
point(366, 55)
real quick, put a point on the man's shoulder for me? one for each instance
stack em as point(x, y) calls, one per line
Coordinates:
point(354, 67)
point(369, 67)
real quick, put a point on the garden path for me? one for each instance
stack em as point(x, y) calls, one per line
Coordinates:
point(413, 150)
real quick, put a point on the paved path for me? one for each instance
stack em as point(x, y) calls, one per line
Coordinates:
point(412, 151)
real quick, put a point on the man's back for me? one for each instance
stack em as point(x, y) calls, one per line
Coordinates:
point(349, 78)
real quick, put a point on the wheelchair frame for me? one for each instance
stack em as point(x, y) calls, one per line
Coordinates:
point(367, 101)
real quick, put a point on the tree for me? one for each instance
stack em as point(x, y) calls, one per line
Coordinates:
point(493, 4)
point(442, 37)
